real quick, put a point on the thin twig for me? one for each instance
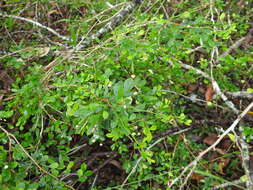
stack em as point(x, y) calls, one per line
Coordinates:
point(32, 159)
point(230, 105)
point(75, 149)
point(188, 176)
point(214, 83)
point(161, 136)
point(37, 24)
point(139, 160)
point(246, 162)
point(240, 94)
point(64, 176)
point(94, 181)
point(232, 183)
point(238, 43)
point(104, 11)
point(115, 21)
point(197, 159)
point(105, 163)
point(193, 97)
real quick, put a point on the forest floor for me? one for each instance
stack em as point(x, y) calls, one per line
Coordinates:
point(123, 94)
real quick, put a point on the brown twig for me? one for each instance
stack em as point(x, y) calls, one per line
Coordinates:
point(86, 42)
point(238, 43)
point(193, 164)
point(36, 24)
point(115, 21)
point(191, 167)
point(214, 83)
point(240, 94)
point(233, 183)
point(9, 135)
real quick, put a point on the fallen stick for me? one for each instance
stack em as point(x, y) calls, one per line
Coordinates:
point(197, 159)
point(36, 24)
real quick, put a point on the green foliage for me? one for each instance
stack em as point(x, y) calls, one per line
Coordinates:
point(116, 94)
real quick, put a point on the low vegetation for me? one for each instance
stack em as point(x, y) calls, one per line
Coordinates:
point(126, 94)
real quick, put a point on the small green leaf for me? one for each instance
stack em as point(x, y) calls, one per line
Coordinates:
point(209, 104)
point(54, 165)
point(83, 178)
point(141, 32)
point(83, 166)
point(132, 117)
point(88, 173)
point(153, 128)
point(188, 122)
point(244, 178)
point(70, 165)
point(118, 90)
point(105, 114)
point(222, 16)
point(186, 14)
point(80, 173)
point(128, 85)
point(231, 136)
point(6, 114)
point(250, 90)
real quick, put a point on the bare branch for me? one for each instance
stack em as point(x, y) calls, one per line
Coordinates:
point(36, 24)
point(214, 83)
point(9, 135)
point(162, 136)
point(115, 21)
point(233, 183)
point(246, 162)
point(240, 94)
point(238, 43)
point(139, 160)
point(76, 149)
point(197, 159)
